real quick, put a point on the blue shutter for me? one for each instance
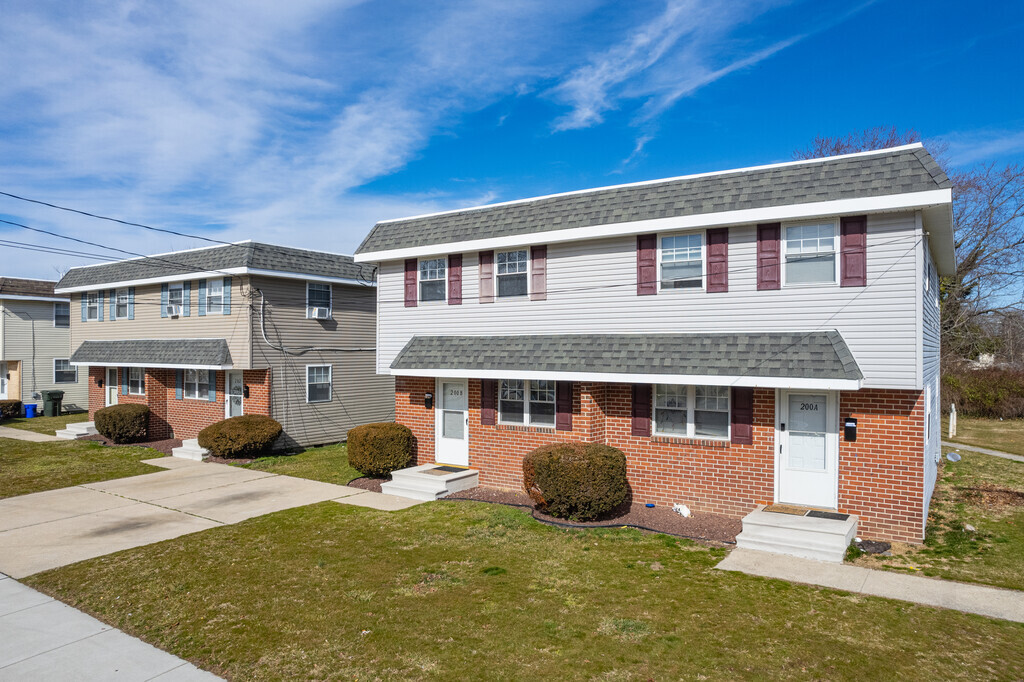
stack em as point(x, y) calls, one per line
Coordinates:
point(131, 303)
point(179, 383)
point(113, 304)
point(202, 297)
point(186, 296)
point(124, 381)
point(227, 295)
point(163, 302)
point(99, 315)
point(84, 297)
point(212, 395)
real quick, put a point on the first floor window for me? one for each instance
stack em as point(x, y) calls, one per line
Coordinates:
point(197, 384)
point(137, 381)
point(318, 384)
point(64, 372)
point(61, 314)
point(215, 297)
point(691, 411)
point(527, 402)
point(92, 305)
point(318, 296)
point(513, 267)
point(811, 254)
point(121, 305)
point(432, 279)
point(682, 261)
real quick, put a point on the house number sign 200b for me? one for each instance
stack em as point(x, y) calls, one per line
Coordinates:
point(811, 407)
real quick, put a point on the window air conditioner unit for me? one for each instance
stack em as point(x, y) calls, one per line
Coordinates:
point(320, 314)
point(173, 310)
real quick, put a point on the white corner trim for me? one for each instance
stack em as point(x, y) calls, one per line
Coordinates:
point(155, 365)
point(891, 202)
point(211, 275)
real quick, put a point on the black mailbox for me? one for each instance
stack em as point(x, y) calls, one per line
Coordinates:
point(245, 391)
point(428, 401)
point(850, 430)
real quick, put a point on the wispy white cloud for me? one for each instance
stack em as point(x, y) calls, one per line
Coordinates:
point(980, 146)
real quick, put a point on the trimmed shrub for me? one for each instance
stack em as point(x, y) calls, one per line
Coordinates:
point(123, 423)
point(245, 436)
point(10, 409)
point(578, 481)
point(380, 448)
point(995, 393)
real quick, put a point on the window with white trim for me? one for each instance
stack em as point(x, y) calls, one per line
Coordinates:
point(62, 315)
point(691, 411)
point(214, 297)
point(92, 306)
point(318, 384)
point(681, 261)
point(513, 272)
point(136, 381)
point(318, 296)
point(530, 402)
point(810, 252)
point(197, 384)
point(433, 278)
point(176, 295)
point(64, 372)
point(121, 304)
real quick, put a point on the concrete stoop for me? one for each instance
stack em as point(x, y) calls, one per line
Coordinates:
point(417, 484)
point(190, 450)
point(799, 536)
point(77, 430)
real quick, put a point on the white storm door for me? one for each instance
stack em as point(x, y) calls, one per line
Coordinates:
point(809, 453)
point(233, 406)
point(111, 386)
point(451, 422)
point(3, 381)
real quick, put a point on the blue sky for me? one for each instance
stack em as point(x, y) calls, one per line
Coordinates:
point(304, 122)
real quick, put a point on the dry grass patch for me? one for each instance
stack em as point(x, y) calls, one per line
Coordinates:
point(1005, 435)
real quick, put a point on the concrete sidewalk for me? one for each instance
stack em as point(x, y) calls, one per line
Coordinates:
point(984, 451)
point(985, 601)
point(43, 639)
point(21, 434)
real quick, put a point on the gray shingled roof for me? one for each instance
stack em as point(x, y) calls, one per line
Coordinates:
point(15, 286)
point(895, 172)
point(803, 355)
point(149, 352)
point(248, 254)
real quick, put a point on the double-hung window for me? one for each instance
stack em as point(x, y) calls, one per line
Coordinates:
point(92, 306)
point(318, 383)
point(121, 304)
point(513, 270)
point(527, 402)
point(214, 297)
point(197, 384)
point(691, 411)
point(433, 279)
point(811, 253)
point(682, 261)
point(176, 296)
point(318, 300)
point(64, 372)
point(137, 381)
point(62, 315)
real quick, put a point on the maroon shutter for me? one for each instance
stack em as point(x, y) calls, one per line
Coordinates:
point(646, 264)
point(488, 401)
point(538, 273)
point(769, 254)
point(410, 283)
point(743, 416)
point(487, 277)
point(718, 260)
point(853, 258)
point(641, 425)
point(455, 279)
point(563, 406)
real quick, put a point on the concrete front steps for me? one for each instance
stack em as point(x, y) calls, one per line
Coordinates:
point(77, 430)
point(427, 482)
point(190, 450)
point(800, 536)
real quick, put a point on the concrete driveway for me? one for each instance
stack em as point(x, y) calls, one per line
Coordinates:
point(58, 527)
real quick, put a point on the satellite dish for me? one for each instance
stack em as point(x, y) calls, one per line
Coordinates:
point(953, 457)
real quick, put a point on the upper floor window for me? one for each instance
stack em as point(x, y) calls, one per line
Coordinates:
point(92, 305)
point(215, 297)
point(64, 372)
point(682, 261)
point(176, 296)
point(527, 402)
point(513, 270)
point(318, 383)
point(811, 253)
point(691, 411)
point(318, 301)
point(61, 314)
point(121, 304)
point(197, 384)
point(433, 276)
point(136, 381)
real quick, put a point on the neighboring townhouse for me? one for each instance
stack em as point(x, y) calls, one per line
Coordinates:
point(246, 328)
point(35, 344)
point(724, 330)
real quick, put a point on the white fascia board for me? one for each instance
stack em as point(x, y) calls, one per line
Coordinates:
point(613, 378)
point(149, 364)
point(891, 202)
point(308, 278)
point(53, 299)
point(211, 275)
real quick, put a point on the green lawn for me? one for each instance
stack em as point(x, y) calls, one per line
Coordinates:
point(47, 425)
point(458, 591)
point(328, 464)
point(32, 467)
point(982, 491)
point(1004, 435)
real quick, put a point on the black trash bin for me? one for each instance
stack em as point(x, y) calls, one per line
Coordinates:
point(52, 403)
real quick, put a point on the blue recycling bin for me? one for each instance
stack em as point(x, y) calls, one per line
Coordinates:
point(30, 411)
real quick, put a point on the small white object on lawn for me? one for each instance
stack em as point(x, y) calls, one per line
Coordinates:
point(682, 509)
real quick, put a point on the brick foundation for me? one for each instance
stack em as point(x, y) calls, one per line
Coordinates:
point(881, 476)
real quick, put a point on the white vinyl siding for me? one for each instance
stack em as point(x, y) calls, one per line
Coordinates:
point(930, 336)
point(28, 337)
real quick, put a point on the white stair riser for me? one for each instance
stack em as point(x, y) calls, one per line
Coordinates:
point(791, 535)
point(809, 538)
point(449, 479)
point(412, 493)
point(833, 556)
point(415, 484)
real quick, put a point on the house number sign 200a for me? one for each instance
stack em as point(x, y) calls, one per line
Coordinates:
point(811, 407)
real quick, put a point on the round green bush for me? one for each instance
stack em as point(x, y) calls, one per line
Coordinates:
point(123, 423)
point(240, 437)
point(380, 448)
point(578, 481)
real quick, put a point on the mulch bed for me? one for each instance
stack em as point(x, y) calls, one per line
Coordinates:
point(165, 446)
point(991, 497)
point(367, 483)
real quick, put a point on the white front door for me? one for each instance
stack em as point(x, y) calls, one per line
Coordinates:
point(233, 405)
point(3, 381)
point(451, 422)
point(808, 463)
point(111, 386)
